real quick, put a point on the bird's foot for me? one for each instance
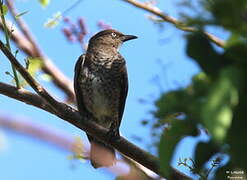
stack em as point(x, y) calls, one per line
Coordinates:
point(113, 134)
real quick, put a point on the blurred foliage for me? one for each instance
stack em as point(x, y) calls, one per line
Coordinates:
point(4, 10)
point(216, 99)
point(171, 136)
point(54, 20)
point(33, 66)
point(20, 15)
point(78, 150)
point(44, 3)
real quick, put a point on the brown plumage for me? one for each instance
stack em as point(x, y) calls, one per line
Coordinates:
point(101, 86)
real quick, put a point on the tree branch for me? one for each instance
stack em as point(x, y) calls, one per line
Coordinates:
point(69, 143)
point(26, 97)
point(38, 131)
point(26, 42)
point(180, 25)
point(84, 123)
point(72, 116)
point(30, 80)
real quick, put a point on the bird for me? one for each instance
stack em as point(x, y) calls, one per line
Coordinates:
point(101, 87)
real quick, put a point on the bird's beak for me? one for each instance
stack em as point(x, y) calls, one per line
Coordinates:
point(128, 37)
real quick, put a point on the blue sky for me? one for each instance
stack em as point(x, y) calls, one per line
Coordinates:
point(26, 158)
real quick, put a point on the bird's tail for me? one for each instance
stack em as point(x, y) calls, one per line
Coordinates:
point(101, 155)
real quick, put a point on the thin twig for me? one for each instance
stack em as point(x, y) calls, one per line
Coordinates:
point(48, 67)
point(31, 81)
point(20, 40)
point(23, 27)
point(180, 25)
point(59, 79)
point(84, 123)
point(7, 33)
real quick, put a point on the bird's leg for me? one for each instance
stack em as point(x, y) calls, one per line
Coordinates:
point(113, 133)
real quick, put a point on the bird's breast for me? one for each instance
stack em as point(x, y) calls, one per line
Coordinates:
point(101, 101)
point(101, 94)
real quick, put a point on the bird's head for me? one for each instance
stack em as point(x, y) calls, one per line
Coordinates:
point(109, 39)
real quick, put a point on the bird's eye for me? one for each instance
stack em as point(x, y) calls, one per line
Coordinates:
point(113, 34)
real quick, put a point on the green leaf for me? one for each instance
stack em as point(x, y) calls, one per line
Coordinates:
point(237, 133)
point(237, 52)
point(167, 104)
point(217, 112)
point(34, 65)
point(200, 49)
point(4, 10)
point(233, 39)
point(21, 80)
point(46, 77)
point(21, 14)
point(8, 73)
point(54, 21)
point(170, 138)
point(44, 3)
point(236, 22)
point(203, 153)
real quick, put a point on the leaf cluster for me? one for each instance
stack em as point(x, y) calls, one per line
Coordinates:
point(216, 99)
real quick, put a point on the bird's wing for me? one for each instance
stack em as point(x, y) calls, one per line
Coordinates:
point(77, 89)
point(124, 91)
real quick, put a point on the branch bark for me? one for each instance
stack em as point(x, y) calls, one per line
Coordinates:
point(84, 123)
point(180, 25)
point(26, 97)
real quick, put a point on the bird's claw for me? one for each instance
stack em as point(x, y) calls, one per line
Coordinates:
point(113, 134)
